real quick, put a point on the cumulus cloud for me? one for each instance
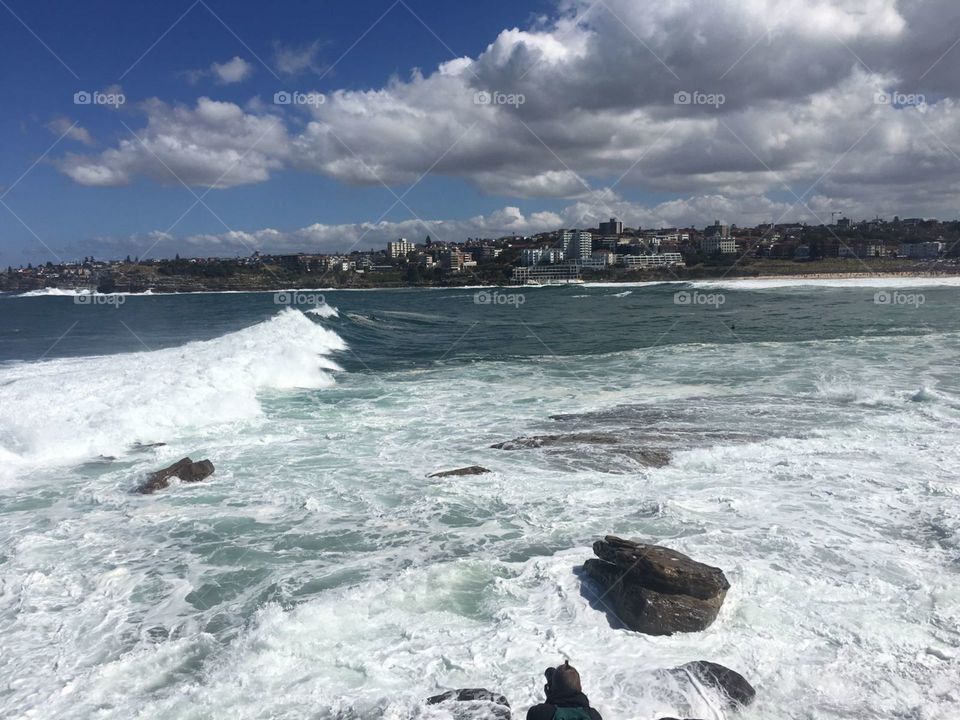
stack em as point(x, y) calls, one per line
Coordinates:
point(214, 144)
point(604, 100)
point(234, 70)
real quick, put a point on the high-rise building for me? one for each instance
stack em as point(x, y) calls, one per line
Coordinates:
point(613, 228)
point(399, 248)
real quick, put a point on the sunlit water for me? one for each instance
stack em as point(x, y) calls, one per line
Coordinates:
point(321, 573)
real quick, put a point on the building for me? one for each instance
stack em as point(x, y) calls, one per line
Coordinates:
point(715, 244)
point(613, 228)
point(921, 250)
point(399, 248)
point(645, 261)
point(531, 256)
point(565, 273)
point(717, 230)
point(456, 260)
point(577, 244)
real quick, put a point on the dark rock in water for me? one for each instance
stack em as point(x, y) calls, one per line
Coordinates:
point(662, 569)
point(732, 684)
point(650, 458)
point(656, 590)
point(143, 447)
point(477, 704)
point(471, 470)
point(186, 470)
point(537, 441)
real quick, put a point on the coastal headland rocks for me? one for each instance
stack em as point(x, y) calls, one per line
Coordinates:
point(186, 470)
point(656, 590)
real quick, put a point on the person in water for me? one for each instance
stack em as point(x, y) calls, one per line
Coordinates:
point(565, 698)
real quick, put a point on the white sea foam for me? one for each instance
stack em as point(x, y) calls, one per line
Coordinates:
point(839, 282)
point(321, 573)
point(76, 408)
point(325, 311)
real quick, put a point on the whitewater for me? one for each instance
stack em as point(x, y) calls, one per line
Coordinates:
point(320, 572)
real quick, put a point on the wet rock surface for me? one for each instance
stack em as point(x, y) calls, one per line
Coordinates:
point(186, 470)
point(656, 590)
point(474, 704)
point(469, 470)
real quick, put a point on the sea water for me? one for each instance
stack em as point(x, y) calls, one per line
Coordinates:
point(321, 573)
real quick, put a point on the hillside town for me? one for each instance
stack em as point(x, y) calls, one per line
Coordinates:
point(608, 252)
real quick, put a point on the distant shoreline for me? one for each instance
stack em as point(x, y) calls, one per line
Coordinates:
point(719, 278)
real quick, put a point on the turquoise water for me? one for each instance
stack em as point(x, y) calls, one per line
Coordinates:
point(321, 573)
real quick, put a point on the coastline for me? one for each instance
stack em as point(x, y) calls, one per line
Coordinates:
point(879, 279)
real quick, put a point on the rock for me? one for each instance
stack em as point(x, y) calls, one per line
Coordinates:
point(656, 590)
point(471, 470)
point(537, 441)
point(477, 704)
point(143, 447)
point(650, 458)
point(732, 684)
point(186, 470)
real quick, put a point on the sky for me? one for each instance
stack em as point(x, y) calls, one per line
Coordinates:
point(216, 127)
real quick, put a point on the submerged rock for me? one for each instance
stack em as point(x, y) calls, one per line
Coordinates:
point(537, 441)
point(470, 470)
point(656, 590)
point(474, 704)
point(143, 447)
point(186, 470)
point(731, 684)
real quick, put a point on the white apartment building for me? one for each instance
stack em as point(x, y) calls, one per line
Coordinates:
point(717, 244)
point(399, 248)
point(643, 261)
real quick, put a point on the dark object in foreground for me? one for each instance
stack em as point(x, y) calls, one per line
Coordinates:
point(480, 703)
point(733, 685)
point(470, 470)
point(564, 697)
point(186, 470)
point(656, 590)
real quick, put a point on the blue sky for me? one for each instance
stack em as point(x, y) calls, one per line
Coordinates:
point(101, 44)
point(403, 146)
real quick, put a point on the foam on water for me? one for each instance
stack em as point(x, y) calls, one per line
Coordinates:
point(322, 573)
point(79, 408)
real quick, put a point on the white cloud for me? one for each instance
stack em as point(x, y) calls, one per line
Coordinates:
point(215, 144)
point(63, 126)
point(799, 80)
point(293, 60)
point(234, 70)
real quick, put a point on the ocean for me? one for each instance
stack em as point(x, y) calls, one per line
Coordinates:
point(321, 573)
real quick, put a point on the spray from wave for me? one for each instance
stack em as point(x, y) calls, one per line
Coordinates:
point(64, 410)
